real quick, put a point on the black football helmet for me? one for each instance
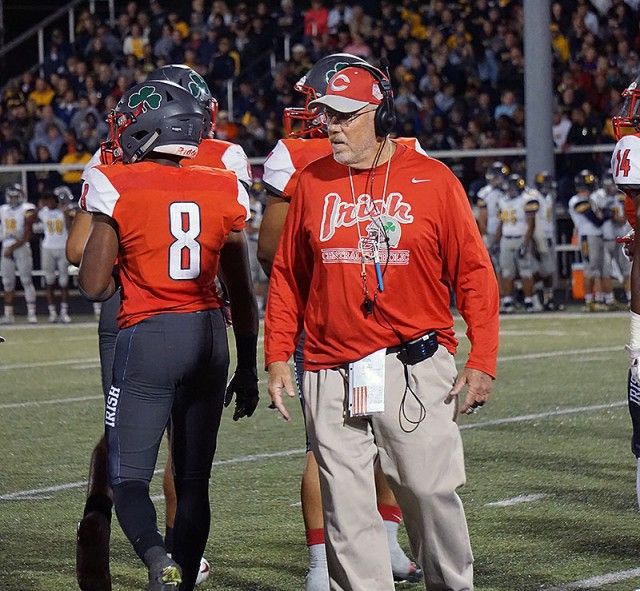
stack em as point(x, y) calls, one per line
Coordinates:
point(627, 121)
point(545, 183)
point(157, 117)
point(497, 173)
point(14, 195)
point(513, 185)
point(313, 85)
point(585, 180)
point(190, 80)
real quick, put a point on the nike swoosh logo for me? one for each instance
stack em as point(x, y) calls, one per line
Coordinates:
point(415, 180)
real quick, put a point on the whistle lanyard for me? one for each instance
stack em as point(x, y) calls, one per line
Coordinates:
point(379, 224)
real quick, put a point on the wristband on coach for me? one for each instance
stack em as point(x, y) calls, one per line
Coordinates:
point(247, 348)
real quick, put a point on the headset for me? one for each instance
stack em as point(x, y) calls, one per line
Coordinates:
point(385, 116)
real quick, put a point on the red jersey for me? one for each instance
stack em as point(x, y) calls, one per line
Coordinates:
point(286, 161)
point(220, 154)
point(172, 223)
point(434, 246)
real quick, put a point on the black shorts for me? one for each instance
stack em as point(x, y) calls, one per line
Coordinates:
point(167, 366)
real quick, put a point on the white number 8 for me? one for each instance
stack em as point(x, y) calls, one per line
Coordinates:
point(184, 253)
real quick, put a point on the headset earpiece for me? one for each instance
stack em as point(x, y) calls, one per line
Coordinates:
point(385, 116)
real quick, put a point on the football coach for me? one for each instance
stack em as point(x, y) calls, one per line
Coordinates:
point(376, 239)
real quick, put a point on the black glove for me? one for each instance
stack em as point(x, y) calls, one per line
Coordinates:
point(244, 384)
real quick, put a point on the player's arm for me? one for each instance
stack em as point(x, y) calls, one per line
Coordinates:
point(483, 216)
point(235, 272)
point(531, 209)
point(95, 276)
point(77, 238)
point(270, 230)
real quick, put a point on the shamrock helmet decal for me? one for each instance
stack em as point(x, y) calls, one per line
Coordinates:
point(160, 117)
point(314, 85)
point(147, 97)
point(190, 80)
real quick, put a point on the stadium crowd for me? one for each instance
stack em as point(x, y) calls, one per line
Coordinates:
point(457, 68)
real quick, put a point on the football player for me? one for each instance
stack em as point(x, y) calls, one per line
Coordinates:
point(92, 552)
point(517, 209)
point(16, 219)
point(307, 141)
point(544, 237)
point(167, 227)
point(625, 166)
point(55, 215)
point(488, 199)
point(588, 227)
point(608, 203)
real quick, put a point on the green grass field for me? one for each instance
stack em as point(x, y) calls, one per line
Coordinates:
point(557, 427)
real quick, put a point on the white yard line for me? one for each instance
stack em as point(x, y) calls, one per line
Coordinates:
point(599, 581)
point(59, 362)
point(53, 401)
point(18, 495)
point(531, 498)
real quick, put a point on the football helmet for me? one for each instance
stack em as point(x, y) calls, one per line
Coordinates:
point(155, 116)
point(513, 185)
point(545, 183)
point(585, 180)
point(313, 85)
point(14, 195)
point(497, 173)
point(627, 121)
point(190, 80)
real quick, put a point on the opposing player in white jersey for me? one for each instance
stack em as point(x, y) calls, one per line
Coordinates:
point(488, 218)
point(306, 142)
point(588, 227)
point(608, 203)
point(16, 220)
point(55, 215)
point(544, 237)
point(517, 210)
point(625, 167)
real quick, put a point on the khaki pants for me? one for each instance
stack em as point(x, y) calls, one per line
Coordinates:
point(424, 468)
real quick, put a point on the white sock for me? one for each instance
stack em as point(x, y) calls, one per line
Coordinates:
point(400, 562)
point(31, 309)
point(52, 308)
point(317, 556)
point(64, 308)
point(8, 310)
point(599, 297)
point(588, 298)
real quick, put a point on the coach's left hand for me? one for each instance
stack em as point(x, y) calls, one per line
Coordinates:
point(244, 384)
point(479, 385)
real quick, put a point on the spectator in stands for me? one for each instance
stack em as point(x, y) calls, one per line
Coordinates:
point(56, 56)
point(340, 14)
point(42, 94)
point(316, 19)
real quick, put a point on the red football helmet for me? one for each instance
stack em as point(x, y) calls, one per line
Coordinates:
point(305, 122)
point(628, 120)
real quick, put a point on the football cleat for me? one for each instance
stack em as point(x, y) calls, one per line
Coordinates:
point(65, 318)
point(413, 575)
point(92, 552)
point(32, 319)
point(53, 317)
point(8, 319)
point(203, 573)
point(507, 308)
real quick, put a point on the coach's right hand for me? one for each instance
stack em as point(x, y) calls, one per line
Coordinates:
point(280, 381)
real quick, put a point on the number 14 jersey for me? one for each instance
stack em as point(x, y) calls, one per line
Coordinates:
point(172, 224)
point(625, 167)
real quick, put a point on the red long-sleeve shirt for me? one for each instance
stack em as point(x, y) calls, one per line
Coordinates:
point(435, 245)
